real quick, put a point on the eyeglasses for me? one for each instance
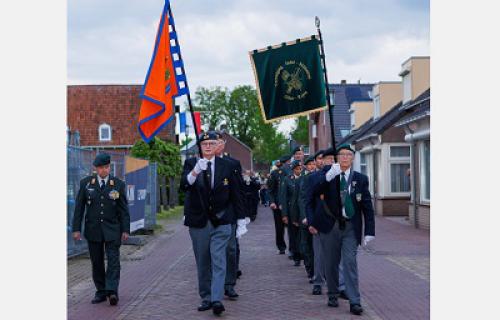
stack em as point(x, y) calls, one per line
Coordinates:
point(212, 144)
point(347, 155)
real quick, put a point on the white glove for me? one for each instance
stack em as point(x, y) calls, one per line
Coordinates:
point(334, 171)
point(201, 165)
point(247, 220)
point(241, 228)
point(367, 239)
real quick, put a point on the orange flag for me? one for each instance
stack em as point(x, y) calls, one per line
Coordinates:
point(164, 80)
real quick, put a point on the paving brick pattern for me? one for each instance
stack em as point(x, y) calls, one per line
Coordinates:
point(159, 280)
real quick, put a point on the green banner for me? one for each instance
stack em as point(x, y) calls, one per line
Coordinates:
point(290, 79)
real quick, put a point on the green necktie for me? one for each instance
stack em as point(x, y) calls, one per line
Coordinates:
point(348, 206)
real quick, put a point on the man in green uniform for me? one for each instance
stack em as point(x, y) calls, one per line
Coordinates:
point(290, 209)
point(107, 224)
point(306, 240)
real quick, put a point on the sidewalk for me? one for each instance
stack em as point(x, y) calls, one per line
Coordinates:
point(159, 280)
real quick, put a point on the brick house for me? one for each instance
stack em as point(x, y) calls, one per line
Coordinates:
point(105, 117)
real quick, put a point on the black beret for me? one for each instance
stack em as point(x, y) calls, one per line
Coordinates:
point(309, 159)
point(345, 146)
point(329, 152)
point(299, 148)
point(319, 153)
point(102, 159)
point(210, 135)
point(285, 158)
point(295, 164)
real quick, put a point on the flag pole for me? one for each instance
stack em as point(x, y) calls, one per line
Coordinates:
point(330, 104)
point(188, 93)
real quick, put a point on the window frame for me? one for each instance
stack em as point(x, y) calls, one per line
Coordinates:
point(397, 160)
point(422, 184)
point(105, 126)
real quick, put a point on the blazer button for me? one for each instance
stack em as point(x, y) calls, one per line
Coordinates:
point(102, 197)
point(102, 220)
point(102, 204)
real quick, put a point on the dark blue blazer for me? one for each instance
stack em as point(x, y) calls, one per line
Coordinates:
point(360, 196)
point(202, 204)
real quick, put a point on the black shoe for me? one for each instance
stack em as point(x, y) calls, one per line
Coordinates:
point(98, 299)
point(231, 294)
point(282, 252)
point(356, 309)
point(238, 274)
point(204, 306)
point(316, 290)
point(342, 295)
point(217, 308)
point(113, 299)
point(297, 263)
point(332, 302)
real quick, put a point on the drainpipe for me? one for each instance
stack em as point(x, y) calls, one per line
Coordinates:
point(374, 150)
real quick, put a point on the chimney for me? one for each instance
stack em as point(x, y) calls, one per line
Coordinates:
point(343, 81)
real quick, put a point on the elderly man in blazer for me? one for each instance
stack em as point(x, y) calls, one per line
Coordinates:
point(340, 224)
point(211, 187)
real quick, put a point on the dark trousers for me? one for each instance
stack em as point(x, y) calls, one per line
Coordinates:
point(106, 280)
point(294, 241)
point(279, 229)
point(306, 250)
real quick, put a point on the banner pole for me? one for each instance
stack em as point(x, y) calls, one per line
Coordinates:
point(188, 92)
point(330, 104)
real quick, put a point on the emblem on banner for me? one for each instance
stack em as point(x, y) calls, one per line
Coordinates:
point(293, 76)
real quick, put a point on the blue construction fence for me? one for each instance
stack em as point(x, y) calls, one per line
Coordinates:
point(79, 164)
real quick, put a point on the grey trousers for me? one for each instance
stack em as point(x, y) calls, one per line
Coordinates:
point(209, 246)
point(319, 266)
point(231, 260)
point(335, 244)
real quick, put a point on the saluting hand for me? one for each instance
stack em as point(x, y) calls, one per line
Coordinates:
point(284, 219)
point(304, 222)
point(124, 236)
point(273, 206)
point(77, 236)
point(200, 166)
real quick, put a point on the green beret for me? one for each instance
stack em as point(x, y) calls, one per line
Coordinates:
point(295, 164)
point(102, 159)
point(299, 148)
point(210, 135)
point(319, 153)
point(346, 147)
point(329, 152)
point(309, 159)
point(285, 158)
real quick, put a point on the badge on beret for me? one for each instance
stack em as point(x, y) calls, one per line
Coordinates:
point(358, 197)
point(226, 182)
point(111, 182)
point(205, 136)
point(113, 194)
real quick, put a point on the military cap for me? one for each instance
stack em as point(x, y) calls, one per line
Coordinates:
point(309, 159)
point(346, 147)
point(209, 135)
point(319, 153)
point(102, 159)
point(299, 148)
point(329, 152)
point(295, 164)
point(285, 158)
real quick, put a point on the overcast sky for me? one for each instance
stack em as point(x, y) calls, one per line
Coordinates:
point(111, 41)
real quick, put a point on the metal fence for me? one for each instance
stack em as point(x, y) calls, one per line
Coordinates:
point(79, 164)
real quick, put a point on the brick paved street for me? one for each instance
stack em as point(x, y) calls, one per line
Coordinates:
point(158, 281)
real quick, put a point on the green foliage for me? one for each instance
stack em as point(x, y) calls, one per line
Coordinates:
point(301, 132)
point(166, 154)
point(211, 103)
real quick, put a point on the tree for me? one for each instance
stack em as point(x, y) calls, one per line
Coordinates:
point(211, 103)
point(165, 154)
point(301, 131)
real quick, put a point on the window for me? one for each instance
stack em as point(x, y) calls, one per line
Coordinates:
point(407, 88)
point(353, 119)
point(376, 107)
point(399, 163)
point(425, 165)
point(104, 132)
point(344, 132)
point(363, 164)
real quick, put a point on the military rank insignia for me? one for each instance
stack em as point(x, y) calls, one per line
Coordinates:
point(358, 197)
point(113, 194)
point(353, 184)
point(226, 182)
point(93, 181)
point(111, 182)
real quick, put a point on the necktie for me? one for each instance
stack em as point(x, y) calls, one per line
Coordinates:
point(348, 206)
point(209, 174)
point(103, 184)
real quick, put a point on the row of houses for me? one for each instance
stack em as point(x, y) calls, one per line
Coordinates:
point(388, 124)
